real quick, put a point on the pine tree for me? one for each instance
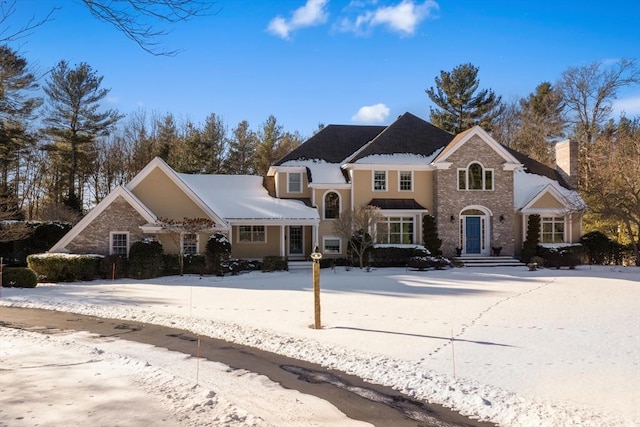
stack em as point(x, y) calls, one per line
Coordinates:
point(74, 122)
point(242, 148)
point(459, 104)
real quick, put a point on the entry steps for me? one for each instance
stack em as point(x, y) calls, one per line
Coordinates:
point(489, 261)
point(300, 265)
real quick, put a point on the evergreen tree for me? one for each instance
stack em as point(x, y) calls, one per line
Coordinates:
point(430, 235)
point(242, 148)
point(16, 110)
point(268, 140)
point(459, 104)
point(74, 122)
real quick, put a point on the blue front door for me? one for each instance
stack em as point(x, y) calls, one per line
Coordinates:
point(472, 232)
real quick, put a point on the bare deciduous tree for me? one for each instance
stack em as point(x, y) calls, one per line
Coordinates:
point(359, 227)
point(177, 229)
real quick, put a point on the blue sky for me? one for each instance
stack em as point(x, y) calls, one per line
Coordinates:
point(334, 62)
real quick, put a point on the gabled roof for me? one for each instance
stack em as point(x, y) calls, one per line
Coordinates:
point(407, 135)
point(462, 138)
point(120, 191)
point(158, 163)
point(530, 187)
point(333, 144)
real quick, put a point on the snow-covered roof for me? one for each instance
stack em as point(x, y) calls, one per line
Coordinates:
point(243, 197)
point(322, 172)
point(527, 186)
point(399, 159)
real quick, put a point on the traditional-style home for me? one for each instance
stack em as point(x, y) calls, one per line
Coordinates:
point(480, 192)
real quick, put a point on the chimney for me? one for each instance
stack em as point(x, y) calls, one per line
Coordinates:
point(567, 160)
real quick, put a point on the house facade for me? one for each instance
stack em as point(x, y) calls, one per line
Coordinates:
point(480, 193)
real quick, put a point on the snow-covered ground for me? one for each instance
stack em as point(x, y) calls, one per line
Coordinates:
point(530, 348)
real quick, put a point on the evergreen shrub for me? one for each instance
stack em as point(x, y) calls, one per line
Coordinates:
point(218, 250)
point(18, 277)
point(106, 267)
point(146, 259)
point(64, 267)
point(563, 256)
point(274, 263)
point(394, 256)
point(530, 245)
point(428, 262)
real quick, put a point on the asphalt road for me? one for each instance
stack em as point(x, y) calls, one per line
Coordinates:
point(359, 400)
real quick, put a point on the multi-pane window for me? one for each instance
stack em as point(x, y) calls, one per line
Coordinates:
point(331, 205)
point(406, 180)
point(395, 230)
point(294, 182)
point(119, 243)
point(189, 244)
point(332, 245)
point(380, 180)
point(251, 233)
point(552, 230)
point(475, 177)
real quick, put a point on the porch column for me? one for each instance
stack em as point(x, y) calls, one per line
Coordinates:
point(283, 241)
point(316, 236)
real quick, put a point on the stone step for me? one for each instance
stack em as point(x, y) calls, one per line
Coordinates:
point(487, 261)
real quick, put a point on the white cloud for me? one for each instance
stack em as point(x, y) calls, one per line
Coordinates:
point(629, 106)
point(371, 114)
point(312, 13)
point(403, 17)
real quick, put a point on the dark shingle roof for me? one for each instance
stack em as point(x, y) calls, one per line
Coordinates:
point(407, 135)
point(334, 143)
point(535, 167)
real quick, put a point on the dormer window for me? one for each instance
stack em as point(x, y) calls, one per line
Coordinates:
point(294, 182)
point(475, 177)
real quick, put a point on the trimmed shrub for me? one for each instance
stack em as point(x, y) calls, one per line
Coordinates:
point(426, 262)
point(146, 259)
point(18, 277)
point(218, 250)
point(430, 235)
point(530, 246)
point(394, 256)
point(171, 264)
point(274, 263)
point(194, 264)
point(64, 267)
point(563, 256)
point(106, 267)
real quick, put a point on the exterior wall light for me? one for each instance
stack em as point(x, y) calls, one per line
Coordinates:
point(452, 218)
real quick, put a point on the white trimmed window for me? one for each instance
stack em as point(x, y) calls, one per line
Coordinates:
point(252, 234)
point(189, 243)
point(294, 182)
point(332, 245)
point(475, 177)
point(331, 205)
point(119, 243)
point(405, 181)
point(395, 230)
point(552, 229)
point(379, 180)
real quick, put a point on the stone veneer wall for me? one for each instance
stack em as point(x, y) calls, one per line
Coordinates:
point(448, 200)
point(118, 216)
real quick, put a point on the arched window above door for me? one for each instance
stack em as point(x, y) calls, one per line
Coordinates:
point(331, 205)
point(475, 177)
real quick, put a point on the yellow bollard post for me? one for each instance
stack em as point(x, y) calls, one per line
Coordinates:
point(316, 256)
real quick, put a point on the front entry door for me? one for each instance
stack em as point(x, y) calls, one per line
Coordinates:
point(296, 245)
point(472, 232)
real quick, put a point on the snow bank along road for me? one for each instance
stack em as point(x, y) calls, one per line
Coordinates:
point(357, 399)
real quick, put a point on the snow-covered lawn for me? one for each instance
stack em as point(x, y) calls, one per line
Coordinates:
point(530, 348)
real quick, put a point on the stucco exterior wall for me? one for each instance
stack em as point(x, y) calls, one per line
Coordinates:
point(422, 187)
point(257, 250)
point(165, 198)
point(118, 216)
point(449, 201)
